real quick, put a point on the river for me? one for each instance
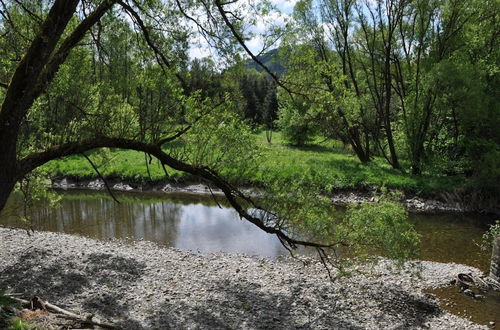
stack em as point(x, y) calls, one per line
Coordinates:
point(196, 223)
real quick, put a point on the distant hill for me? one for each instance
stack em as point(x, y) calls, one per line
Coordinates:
point(270, 59)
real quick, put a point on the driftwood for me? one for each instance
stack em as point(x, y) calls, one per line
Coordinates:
point(471, 285)
point(38, 303)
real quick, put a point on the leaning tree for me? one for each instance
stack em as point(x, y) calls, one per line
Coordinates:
point(83, 75)
point(59, 30)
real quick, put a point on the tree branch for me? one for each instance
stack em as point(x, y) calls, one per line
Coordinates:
point(70, 42)
point(35, 160)
point(22, 93)
point(138, 20)
point(102, 178)
point(240, 40)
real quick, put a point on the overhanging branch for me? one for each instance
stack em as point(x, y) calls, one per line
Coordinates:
point(145, 32)
point(233, 195)
point(239, 38)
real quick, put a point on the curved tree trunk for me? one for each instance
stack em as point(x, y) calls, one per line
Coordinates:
point(7, 176)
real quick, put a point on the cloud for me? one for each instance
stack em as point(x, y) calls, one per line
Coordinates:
point(255, 44)
point(199, 52)
point(285, 6)
point(258, 26)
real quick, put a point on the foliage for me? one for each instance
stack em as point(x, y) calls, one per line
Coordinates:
point(34, 189)
point(258, 93)
point(297, 207)
point(416, 84)
point(19, 324)
point(492, 233)
point(329, 166)
point(380, 228)
point(295, 127)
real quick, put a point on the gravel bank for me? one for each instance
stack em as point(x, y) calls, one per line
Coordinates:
point(412, 203)
point(143, 286)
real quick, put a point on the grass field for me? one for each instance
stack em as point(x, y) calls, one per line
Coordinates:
point(324, 163)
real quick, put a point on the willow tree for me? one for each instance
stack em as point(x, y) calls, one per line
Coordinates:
point(79, 76)
point(69, 92)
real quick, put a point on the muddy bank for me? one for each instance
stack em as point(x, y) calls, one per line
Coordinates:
point(143, 286)
point(412, 203)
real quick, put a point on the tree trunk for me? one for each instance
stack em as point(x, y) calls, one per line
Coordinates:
point(392, 149)
point(8, 170)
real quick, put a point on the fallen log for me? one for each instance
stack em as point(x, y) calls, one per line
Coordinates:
point(38, 303)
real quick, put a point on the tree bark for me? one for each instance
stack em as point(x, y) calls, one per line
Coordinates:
point(7, 166)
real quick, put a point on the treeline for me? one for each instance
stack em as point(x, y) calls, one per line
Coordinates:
point(415, 82)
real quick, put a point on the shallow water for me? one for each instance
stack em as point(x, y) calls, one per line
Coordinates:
point(184, 221)
point(197, 223)
point(481, 311)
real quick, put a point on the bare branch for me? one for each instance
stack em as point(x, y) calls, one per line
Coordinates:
point(102, 178)
point(240, 40)
point(145, 31)
point(32, 14)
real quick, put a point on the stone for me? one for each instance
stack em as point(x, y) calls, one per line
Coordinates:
point(469, 293)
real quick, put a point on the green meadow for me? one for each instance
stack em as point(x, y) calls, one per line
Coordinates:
point(326, 163)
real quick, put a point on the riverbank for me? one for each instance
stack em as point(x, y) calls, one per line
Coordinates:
point(325, 163)
point(144, 286)
point(413, 203)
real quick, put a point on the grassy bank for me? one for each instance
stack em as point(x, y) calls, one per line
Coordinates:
point(325, 163)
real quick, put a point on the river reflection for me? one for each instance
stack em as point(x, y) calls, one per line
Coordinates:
point(197, 223)
point(182, 221)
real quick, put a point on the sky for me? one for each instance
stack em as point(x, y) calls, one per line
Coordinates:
point(284, 8)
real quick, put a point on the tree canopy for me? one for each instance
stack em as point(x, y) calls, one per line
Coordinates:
point(414, 82)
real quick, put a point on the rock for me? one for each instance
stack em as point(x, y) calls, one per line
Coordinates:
point(63, 184)
point(167, 188)
point(96, 184)
point(122, 187)
point(469, 293)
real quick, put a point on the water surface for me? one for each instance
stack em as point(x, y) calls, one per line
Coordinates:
point(197, 223)
point(184, 221)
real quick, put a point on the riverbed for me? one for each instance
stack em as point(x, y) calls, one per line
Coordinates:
point(146, 286)
point(196, 226)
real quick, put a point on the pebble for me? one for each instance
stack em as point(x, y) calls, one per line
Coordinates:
point(144, 286)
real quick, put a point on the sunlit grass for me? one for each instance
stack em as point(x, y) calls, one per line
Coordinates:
point(326, 163)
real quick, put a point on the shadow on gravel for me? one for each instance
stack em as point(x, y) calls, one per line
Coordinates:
point(414, 310)
point(244, 305)
point(58, 279)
